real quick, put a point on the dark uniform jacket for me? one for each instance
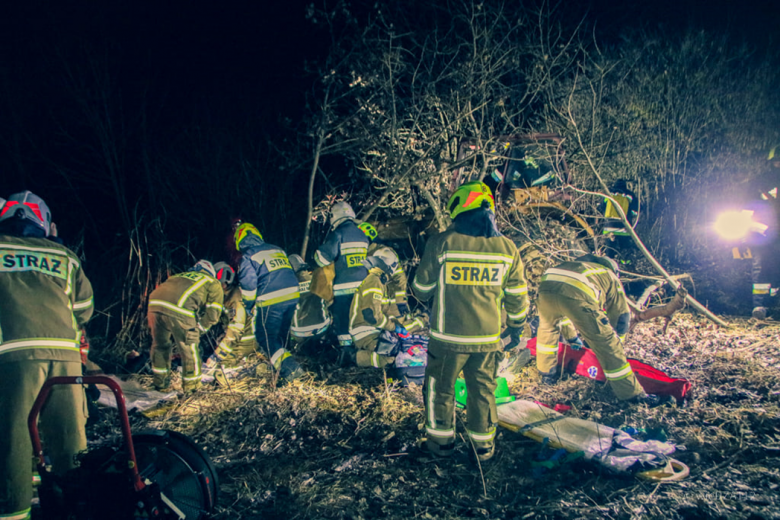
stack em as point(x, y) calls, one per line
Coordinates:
point(265, 274)
point(45, 298)
point(347, 246)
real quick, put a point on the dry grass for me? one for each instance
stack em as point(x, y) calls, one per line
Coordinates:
point(340, 446)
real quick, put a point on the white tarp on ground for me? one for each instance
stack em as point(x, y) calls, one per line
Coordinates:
point(136, 396)
point(612, 448)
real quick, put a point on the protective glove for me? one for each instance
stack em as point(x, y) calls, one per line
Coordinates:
point(403, 308)
point(575, 343)
point(515, 334)
point(401, 331)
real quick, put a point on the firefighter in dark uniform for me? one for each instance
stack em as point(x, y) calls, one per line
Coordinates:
point(588, 292)
point(311, 318)
point(180, 310)
point(368, 315)
point(268, 281)
point(45, 298)
point(346, 246)
point(469, 271)
point(396, 288)
point(765, 245)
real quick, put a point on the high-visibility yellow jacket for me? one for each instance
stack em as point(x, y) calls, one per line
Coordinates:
point(396, 287)
point(234, 319)
point(591, 282)
point(469, 278)
point(367, 315)
point(193, 295)
point(45, 298)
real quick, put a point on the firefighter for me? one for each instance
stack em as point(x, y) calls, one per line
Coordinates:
point(346, 246)
point(45, 298)
point(396, 288)
point(368, 316)
point(268, 281)
point(311, 318)
point(180, 310)
point(588, 292)
point(614, 229)
point(239, 339)
point(468, 271)
point(765, 245)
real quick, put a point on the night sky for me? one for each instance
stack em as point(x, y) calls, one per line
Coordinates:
point(211, 65)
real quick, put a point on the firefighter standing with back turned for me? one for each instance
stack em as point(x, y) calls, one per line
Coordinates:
point(468, 271)
point(45, 298)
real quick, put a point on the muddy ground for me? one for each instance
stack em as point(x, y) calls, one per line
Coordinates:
point(342, 444)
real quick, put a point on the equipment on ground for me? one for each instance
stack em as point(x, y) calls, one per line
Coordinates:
point(157, 474)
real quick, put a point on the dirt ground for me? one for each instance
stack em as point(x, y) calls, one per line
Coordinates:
point(342, 444)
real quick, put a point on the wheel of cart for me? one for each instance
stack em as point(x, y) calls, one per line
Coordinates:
point(155, 474)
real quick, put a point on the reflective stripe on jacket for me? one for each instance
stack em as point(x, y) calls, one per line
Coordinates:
point(468, 279)
point(346, 246)
point(587, 280)
point(265, 275)
point(45, 298)
point(194, 295)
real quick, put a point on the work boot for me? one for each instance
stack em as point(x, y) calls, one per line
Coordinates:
point(347, 357)
point(759, 313)
point(549, 378)
point(288, 376)
point(191, 388)
point(163, 386)
point(439, 450)
point(484, 454)
point(650, 400)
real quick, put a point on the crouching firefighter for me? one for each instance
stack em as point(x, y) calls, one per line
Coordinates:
point(396, 288)
point(238, 340)
point(267, 280)
point(469, 271)
point(45, 298)
point(180, 310)
point(588, 292)
point(368, 316)
point(311, 318)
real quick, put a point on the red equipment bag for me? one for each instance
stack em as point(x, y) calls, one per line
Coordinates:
point(585, 363)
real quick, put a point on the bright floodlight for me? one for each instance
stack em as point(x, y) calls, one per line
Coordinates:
point(734, 225)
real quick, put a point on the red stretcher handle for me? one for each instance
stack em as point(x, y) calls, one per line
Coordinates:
point(124, 420)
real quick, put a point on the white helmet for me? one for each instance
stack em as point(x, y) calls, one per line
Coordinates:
point(384, 258)
point(28, 206)
point(206, 267)
point(341, 211)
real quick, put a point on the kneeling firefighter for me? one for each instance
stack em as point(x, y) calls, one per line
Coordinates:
point(267, 279)
point(311, 318)
point(396, 288)
point(368, 316)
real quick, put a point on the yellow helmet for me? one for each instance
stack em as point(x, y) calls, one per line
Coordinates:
point(470, 196)
point(242, 231)
point(369, 230)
